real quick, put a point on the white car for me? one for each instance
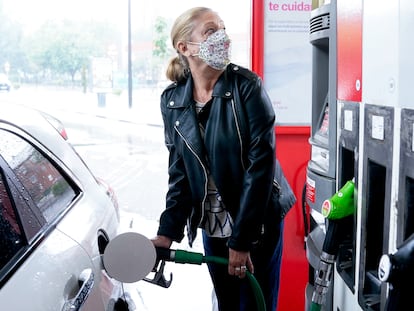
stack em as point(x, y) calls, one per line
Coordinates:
point(55, 222)
point(5, 84)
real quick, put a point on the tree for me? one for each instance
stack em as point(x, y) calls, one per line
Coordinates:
point(61, 50)
point(160, 41)
point(160, 51)
point(10, 43)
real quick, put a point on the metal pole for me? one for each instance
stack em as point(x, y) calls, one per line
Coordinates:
point(129, 57)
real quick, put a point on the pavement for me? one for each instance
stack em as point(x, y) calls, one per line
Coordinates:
point(143, 109)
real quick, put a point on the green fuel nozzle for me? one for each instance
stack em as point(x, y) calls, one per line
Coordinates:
point(341, 204)
point(338, 210)
point(179, 256)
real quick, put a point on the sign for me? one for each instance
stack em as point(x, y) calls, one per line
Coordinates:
point(288, 60)
point(101, 74)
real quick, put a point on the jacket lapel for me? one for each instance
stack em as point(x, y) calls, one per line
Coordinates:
point(186, 123)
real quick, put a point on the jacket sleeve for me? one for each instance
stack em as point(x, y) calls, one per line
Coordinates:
point(178, 198)
point(257, 116)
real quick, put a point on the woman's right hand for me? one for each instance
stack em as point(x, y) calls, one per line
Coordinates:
point(161, 241)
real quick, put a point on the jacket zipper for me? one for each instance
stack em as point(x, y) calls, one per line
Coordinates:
point(238, 133)
point(277, 185)
point(205, 175)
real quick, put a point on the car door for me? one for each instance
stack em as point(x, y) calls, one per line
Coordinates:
point(41, 268)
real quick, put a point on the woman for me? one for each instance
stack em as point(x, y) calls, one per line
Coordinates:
point(219, 131)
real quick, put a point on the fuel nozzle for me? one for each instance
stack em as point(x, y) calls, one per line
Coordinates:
point(397, 270)
point(400, 265)
point(339, 210)
point(341, 204)
point(179, 256)
point(172, 255)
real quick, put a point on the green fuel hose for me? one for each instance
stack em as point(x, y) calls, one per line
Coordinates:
point(185, 257)
point(315, 307)
point(257, 291)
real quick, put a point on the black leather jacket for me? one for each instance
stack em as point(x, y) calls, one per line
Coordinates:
point(238, 148)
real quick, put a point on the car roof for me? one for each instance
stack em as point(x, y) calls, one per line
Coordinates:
point(29, 120)
point(34, 124)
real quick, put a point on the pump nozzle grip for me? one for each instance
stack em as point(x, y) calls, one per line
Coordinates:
point(179, 256)
point(341, 204)
point(400, 265)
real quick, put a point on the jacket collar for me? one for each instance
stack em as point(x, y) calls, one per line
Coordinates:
point(222, 88)
point(183, 96)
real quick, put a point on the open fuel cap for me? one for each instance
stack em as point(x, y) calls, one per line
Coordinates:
point(129, 257)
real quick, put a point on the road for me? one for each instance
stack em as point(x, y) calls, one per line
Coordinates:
point(130, 157)
point(125, 147)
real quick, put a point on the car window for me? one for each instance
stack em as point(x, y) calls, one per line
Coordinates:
point(47, 187)
point(10, 231)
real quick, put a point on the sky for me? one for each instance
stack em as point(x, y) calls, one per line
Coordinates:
point(31, 13)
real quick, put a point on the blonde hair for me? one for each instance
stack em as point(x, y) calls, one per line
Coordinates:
point(178, 68)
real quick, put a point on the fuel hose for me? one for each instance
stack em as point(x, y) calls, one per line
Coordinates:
point(130, 256)
point(315, 307)
point(186, 257)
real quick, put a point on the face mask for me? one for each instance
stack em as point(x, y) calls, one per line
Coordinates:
point(215, 50)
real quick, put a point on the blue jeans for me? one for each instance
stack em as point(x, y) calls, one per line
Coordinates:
point(234, 294)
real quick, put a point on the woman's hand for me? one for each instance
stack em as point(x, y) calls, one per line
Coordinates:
point(239, 262)
point(161, 241)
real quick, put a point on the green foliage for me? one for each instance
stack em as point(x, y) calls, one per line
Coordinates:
point(59, 187)
point(59, 51)
point(160, 41)
point(10, 42)
point(160, 51)
point(56, 51)
point(65, 48)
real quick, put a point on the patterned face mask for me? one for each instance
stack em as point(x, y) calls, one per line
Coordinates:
point(215, 50)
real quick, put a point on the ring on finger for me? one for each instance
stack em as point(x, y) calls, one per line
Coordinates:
point(243, 268)
point(237, 269)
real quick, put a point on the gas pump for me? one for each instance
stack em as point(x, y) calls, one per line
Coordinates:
point(337, 67)
point(321, 169)
point(375, 146)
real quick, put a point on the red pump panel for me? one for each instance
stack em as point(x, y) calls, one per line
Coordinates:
point(293, 152)
point(349, 50)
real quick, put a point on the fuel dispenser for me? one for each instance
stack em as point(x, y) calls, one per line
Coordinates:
point(405, 221)
point(336, 37)
point(348, 155)
point(321, 169)
point(375, 211)
point(396, 269)
point(385, 177)
point(322, 165)
point(374, 266)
